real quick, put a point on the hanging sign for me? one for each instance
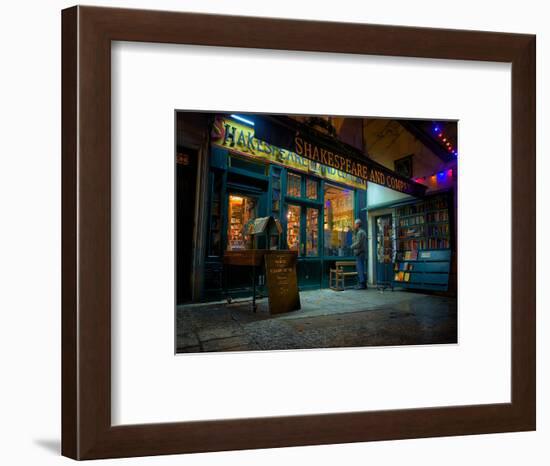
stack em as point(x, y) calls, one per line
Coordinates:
point(240, 138)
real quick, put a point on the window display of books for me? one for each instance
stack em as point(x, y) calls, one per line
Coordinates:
point(242, 210)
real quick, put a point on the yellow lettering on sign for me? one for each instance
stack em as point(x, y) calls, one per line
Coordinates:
point(308, 157)
point(298, 142)
point(240, 139)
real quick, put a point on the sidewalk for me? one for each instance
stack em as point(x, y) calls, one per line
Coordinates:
point(327, 319)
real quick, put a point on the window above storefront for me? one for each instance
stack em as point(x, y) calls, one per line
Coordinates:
point(294, 185)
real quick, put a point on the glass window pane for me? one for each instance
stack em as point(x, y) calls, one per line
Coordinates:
point(312, 232)
point(338, 227)
point(275, 192)
point(293, 228)
point(293, 185)
point(241, 214)
point(311, 189)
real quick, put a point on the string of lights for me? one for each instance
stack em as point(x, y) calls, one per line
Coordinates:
point(443, 175)
point(437, 177)
point(444, 139)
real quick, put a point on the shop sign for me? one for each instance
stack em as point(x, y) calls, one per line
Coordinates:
point(368, 171)
point(240, 138)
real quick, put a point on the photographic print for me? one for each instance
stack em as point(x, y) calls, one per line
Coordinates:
point(323, 237)
point(307, 231)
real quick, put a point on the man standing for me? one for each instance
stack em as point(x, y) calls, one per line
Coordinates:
point(359, 248)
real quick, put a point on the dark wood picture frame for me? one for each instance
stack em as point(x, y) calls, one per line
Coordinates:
point(87, 33)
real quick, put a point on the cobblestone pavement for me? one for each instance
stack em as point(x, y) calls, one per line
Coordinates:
point(327, 319)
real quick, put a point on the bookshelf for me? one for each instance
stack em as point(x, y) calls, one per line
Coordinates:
point(423, 238)
point(426, 270)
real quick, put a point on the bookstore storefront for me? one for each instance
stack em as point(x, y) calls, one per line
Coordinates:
point(249, 178)
point(315, 204)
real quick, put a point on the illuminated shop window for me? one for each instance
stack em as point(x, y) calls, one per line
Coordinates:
point(293, 227)
point(242, 212)
point(338, 227)
point(311, 188)
point(312, 232)
point(293, 185)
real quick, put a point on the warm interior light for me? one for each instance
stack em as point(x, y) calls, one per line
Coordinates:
point(235, 199)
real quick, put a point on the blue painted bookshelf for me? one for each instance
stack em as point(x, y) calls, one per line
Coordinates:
point(423, 239)
point(428, 271)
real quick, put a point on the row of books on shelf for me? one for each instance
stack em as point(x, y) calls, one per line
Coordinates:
point(436, 203)
point(438, 243)
point(408, 221)
point(412, 231)
point(431, 242)
point(412, 244)
point(402, 266)
point(402, 277)
point(438, 230)
point(438, 216)
point(411, 209)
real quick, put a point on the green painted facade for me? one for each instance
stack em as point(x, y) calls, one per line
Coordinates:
point(233, 174)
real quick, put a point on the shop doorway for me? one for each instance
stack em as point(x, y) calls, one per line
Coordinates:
point(384, 250)
point(302, 236)
point(186, 184)
point(243, 206)
point(302, 233)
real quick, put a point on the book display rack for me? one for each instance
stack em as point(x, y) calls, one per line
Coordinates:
point(423, 237)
